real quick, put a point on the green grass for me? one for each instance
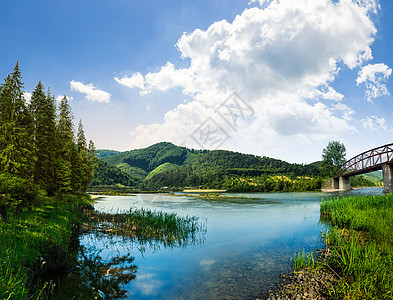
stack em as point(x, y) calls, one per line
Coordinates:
point(32, 243)
point(361, 244)
point(151, 227)
point(302, 260)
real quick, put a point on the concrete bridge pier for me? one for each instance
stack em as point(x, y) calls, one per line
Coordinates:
point(387, 173)
point(334, 183)
point(344, 183)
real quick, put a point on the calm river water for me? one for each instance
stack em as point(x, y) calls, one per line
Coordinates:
point(249, 242)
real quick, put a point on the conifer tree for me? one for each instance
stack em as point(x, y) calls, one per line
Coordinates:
point(92, 162)
point(16, 129)
point(65, 148)
point(83, 163)
point(43, 108)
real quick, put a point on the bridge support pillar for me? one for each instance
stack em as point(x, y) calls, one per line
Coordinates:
point(335, 183)
point(387, 172)
point(344, 183)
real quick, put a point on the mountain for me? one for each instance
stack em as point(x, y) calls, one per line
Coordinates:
point(140, 164)
point(227, 169)
point(165, 164)
point(106, 174)
point(100, 153)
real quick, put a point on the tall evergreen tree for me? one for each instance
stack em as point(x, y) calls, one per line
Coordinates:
point(92, 163)
point(83, 167)
point(43, 108)
point(16, 128)
point(65, 147)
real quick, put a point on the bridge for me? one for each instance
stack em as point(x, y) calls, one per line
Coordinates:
point(380, 158)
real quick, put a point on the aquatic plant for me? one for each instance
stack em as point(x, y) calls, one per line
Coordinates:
point(360, 242)
point(150, 228)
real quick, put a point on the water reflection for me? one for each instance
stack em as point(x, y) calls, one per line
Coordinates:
point(248, 244)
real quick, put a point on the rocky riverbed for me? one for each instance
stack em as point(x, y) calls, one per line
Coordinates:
point(310, 283)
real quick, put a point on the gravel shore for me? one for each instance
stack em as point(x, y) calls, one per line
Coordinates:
point(307, 283)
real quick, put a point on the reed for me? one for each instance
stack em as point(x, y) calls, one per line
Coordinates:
point(150, 227)
point(361, 244)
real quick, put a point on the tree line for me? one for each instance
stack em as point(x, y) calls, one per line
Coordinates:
point(39, 150)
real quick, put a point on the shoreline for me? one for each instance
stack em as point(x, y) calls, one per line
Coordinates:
point(306, 283)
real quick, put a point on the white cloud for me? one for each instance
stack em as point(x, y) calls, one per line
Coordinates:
point(59, 98)
point(92, 92)
point(281, 58)
point(27, 96)
point(136, 80)
point(374, 123)
point(374, 76)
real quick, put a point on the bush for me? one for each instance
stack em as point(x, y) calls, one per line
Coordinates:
point(16, 193)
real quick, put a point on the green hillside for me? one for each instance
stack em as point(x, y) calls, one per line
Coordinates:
point(140, 162)
point(106, 174)
point(237, 171)
point(100, 153)
point(165, 164)
point(166, 167)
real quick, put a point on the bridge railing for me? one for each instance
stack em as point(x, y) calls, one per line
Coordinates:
point(367, 161)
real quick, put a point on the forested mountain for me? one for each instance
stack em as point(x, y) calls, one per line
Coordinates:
point(139, 163)
point(226, 169)
point(165, 164)
point(151, 157)
point(100, 153)
point(106, 174)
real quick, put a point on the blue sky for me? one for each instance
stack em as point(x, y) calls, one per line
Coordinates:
point(139, 72)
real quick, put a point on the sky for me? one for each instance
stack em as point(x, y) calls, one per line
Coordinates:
point(276, 78)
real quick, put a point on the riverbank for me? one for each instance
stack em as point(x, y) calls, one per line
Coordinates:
point(37, 242)
point(357, 260)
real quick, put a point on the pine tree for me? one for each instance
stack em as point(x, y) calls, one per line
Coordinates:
point(92, 163)
point(16, 129)
point(65, 146)
point(83, 164)
point(43, 108)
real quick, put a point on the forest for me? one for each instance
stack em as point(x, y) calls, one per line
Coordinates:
point(170, 166)
point(40, 153)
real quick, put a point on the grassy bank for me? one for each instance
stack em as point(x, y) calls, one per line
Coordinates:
point(358, 257)
point(361, 243)
point(33, 243)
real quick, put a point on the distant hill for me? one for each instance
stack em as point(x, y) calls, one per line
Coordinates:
point(215, 168)
point(147, 162)
point(106, 174)
point(100, 153)
point(167, 165)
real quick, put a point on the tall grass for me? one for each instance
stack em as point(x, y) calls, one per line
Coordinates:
point(32, 243)
point(152, 227)
point(361, 244)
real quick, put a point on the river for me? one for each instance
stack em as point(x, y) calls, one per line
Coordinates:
point(249, 242)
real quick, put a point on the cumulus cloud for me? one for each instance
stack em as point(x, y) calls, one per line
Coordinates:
point(374, 77)
point(59, 98)
point(92, 93)
point(374, 123)
point(282, 58)
point(27, 97)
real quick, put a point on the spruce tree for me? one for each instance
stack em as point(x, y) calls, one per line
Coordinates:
point(92, 163)
point(65, 147)
point(16, 129)
point(83, 163)
point(43, 108)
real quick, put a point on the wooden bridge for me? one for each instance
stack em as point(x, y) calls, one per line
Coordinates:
point(380, 158)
